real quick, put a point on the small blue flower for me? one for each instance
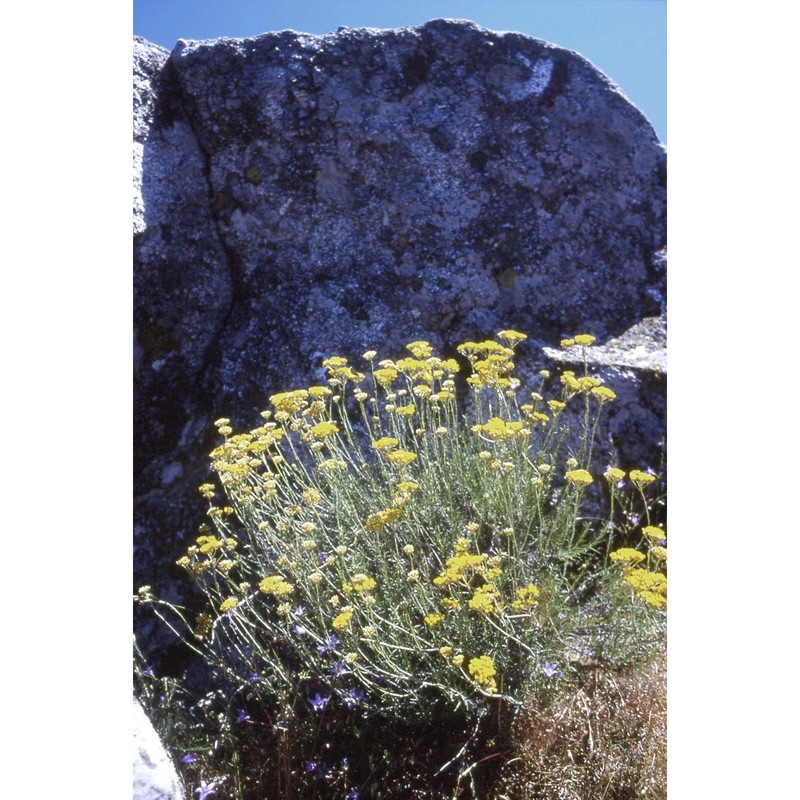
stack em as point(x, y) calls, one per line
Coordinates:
point(300, 630)
point(552, 670)
point(319, 768)
point(189, 758)
point(149, 672)
point(205, 789)
point(318, 702)
point(254, 677)
point(339, 668)
point(353, 794)
point(329, 644)
point(352, 697)
point(244, 717)
point(299, 611)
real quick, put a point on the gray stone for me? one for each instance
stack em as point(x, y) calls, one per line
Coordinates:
point(300, 196)
point(154, 775)
point(632, 429)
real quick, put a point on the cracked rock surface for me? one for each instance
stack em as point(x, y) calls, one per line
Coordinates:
point(299, 196)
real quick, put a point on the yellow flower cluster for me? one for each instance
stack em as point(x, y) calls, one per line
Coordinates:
point(511, 336)
point(342, 621)
point(486, 600)
point(332, 465)
point(458, 568)
point(419, 349)
point(233, 460)
point(380, 519)
point(604, 394)
point(653, 533)
point(498, 430)
point(359, 583)
point(290, 402)
point(276, 586)
point(385, 376)
point(491, 363)
point(423, 368)
point(339, 372)
point(641, 479)
point(312, 496)
point(627, 555)
point(432, 620)
point(583, 339)
point(228, 605)
point(209, 544)
point(416, 369)
point(578, 477)
point(569, 381)
point(536, 417)
point(527, 597)
point(401, 458)
point(649, 586)
point(586, 383)
point(482, 671)
point(658, 552)
point(323, 429)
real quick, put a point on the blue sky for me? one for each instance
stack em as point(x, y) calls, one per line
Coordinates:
point(626, 39)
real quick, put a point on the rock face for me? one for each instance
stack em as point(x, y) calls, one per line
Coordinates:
point(154, 775)
point(300, 196)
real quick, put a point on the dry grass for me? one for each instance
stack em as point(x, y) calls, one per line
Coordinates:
point(605, 741)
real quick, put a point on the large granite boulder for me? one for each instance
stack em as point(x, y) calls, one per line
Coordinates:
point(154, 774)
point(299, 196)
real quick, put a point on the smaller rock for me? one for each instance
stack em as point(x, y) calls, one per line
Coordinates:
point(154, 775)
point(632, 431)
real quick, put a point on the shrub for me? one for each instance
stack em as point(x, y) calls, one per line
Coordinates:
point(378, 557)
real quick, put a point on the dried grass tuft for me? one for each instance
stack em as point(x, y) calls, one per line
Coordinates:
point(607, 740)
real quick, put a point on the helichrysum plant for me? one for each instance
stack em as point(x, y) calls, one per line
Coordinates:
point(370, 545)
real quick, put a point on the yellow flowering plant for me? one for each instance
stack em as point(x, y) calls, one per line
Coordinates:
point(436, 531)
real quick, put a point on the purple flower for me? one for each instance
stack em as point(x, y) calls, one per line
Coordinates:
point(339, 668)
point(353, 794)
point(552, 670)
point(634, 518)
point(205, 789)
point(299, 611)
point(352, 697)
point(321, 768)
point(329, 644)
point(318, 702)
point(300, 630)
point(189, 758)
point(149, 672)
point(244, 717)
point(254, 677)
